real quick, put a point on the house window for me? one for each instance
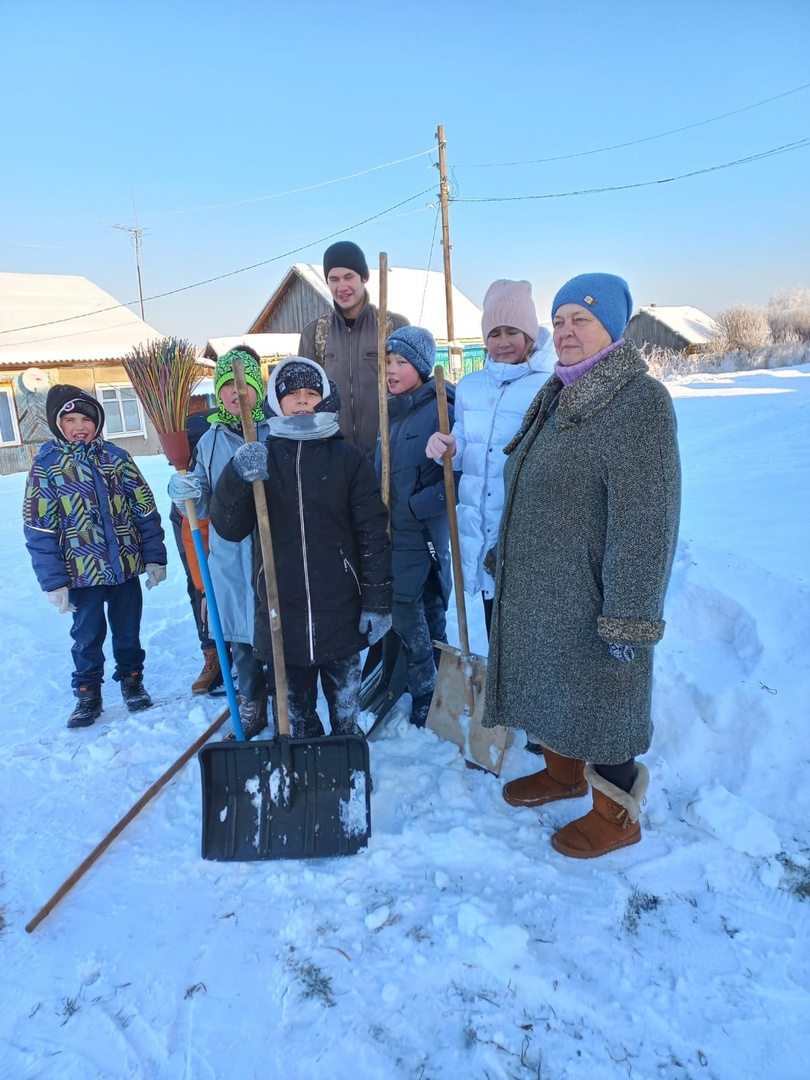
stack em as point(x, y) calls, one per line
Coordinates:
point(123, 412)
point(9, 428)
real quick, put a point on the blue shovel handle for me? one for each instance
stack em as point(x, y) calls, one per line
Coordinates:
point(213, 618)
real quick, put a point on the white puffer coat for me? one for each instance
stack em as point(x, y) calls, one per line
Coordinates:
point(490, 405)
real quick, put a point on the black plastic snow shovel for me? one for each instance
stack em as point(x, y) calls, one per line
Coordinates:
point(282, 798)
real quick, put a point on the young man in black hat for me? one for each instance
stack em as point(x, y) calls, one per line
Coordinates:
point(344, 342)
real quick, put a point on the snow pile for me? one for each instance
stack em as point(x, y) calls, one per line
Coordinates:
point(458, 944)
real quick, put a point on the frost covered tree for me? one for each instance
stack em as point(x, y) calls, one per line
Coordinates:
point(742, 328)
point(789, 315)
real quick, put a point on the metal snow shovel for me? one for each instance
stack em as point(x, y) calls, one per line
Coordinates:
point(282, 798)
point(457, 707)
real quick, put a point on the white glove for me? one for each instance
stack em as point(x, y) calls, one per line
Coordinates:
point(183, 486)
point(155, 573)
point(438, 444)
point(59, 599)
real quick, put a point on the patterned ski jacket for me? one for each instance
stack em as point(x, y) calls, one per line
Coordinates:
point(89, 516)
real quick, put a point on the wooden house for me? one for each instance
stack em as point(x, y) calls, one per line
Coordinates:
point(419, 295)
point(682, 329)
point(58, 328)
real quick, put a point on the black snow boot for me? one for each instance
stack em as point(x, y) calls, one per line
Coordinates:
point(135, 697)
point(88, 706)
point(420, 707)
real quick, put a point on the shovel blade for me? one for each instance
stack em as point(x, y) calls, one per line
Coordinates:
point(451, 718)
point(285, 798)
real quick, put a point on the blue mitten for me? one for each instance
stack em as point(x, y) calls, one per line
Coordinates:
point(250, 462)
point(183, 486)
point(375, 625)
point(625, 653)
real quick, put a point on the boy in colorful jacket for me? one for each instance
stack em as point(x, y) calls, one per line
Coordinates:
point(91, 528)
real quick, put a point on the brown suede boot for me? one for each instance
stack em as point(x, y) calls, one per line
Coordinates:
point(613, 822)
point(562, 778)
point(211, 670)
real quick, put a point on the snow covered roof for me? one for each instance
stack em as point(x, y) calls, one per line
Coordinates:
point(266, 345)
point(694, 325)
point(417, 294)
point(50, 318)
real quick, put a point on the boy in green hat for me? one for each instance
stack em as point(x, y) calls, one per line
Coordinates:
point(231, 564)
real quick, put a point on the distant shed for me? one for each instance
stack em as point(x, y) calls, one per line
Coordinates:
point(682, 329)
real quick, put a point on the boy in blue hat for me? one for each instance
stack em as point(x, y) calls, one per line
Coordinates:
point(420, 536)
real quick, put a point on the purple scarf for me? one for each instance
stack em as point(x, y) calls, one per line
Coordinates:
point(569, 374)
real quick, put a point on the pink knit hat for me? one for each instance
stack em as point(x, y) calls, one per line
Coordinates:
point(509, 303)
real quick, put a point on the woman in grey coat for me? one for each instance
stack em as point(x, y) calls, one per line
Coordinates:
point(583, 559)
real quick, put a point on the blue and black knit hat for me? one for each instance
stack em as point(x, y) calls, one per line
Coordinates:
point(223, 373)
point(418, 347)
point(64, 399)
point(606, 295)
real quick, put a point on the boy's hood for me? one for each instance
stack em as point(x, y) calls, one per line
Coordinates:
point(59, 396)
point(272, 393)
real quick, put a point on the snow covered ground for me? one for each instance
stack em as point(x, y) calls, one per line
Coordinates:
point(459, 945)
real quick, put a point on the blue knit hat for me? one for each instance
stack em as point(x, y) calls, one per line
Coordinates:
point(417, 346)
point(606, 295)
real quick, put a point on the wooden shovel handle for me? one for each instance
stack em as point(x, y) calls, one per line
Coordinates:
point(382, 383)
point(266, 540)
point(452, 517)
point(100, 848)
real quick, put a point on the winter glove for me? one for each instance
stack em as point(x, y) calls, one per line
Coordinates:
point(375, 625)
point(250, 462)
point(155, 573)
point(183, 486)
point(59, 599)
point(625, 653)
point(438, 443)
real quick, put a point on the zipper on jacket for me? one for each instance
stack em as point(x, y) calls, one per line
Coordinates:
point(310, 627)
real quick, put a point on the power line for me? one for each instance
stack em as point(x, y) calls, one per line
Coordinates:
point(293, 191)
point(218, 277)
point(644, 183)
point(636, 142)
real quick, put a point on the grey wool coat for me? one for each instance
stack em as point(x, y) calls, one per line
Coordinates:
point(584, 555)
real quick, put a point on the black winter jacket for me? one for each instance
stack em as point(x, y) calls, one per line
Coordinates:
point(418, 503)
point(330, 545)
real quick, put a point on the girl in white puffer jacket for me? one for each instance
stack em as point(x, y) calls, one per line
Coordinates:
point(490, 405)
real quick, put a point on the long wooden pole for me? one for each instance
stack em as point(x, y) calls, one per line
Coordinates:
point(382, 383)
point(82, 869)
point(444, 199)
point(266, 540)
point(452, 522)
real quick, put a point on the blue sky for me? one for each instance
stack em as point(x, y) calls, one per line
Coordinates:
point(182, 107)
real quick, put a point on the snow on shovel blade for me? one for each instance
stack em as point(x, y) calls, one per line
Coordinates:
point(251, 812)
point(449, 717)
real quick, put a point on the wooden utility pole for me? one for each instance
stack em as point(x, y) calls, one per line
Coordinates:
point(136, 235)
point(444, 198)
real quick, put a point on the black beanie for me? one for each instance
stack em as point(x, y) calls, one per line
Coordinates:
point(64, 398)
point(296, 374)
point(345, 253)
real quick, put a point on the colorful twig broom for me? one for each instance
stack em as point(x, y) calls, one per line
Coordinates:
point(163, 374)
